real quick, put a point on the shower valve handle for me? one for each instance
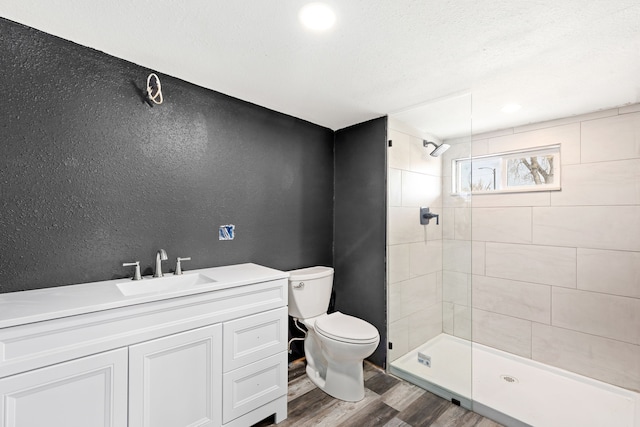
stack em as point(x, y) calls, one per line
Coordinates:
point(431, 216)
point(425, 216)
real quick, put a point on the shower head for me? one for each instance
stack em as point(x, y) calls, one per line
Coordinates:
point(439, 148)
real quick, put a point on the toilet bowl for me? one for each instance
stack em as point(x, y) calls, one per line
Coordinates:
point(336, 343)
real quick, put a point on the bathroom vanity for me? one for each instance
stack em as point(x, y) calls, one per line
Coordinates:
point(208, 348)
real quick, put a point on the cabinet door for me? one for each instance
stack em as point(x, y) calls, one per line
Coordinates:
point(176, 381)
point(86, 392)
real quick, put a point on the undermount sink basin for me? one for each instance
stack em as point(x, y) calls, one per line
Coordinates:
point(167, 283)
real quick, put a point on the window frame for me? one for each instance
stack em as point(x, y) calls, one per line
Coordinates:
point(502, 178)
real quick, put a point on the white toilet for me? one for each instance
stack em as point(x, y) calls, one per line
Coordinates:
point(335, 344)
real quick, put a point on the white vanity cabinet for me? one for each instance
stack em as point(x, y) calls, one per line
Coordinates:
point(255, 365)
point(175, 380)
point(214, 358)
point(91, 391)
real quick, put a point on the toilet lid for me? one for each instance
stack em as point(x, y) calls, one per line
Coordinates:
point(346, 328)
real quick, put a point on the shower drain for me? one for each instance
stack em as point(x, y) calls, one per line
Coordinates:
point(509, 378)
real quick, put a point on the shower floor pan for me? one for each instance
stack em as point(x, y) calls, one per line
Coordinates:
point(513, 390)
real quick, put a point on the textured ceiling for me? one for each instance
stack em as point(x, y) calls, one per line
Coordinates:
point(555, 58)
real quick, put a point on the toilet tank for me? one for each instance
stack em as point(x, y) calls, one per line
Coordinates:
point(310, 291)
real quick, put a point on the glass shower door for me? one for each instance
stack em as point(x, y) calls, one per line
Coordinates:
point(429, 265)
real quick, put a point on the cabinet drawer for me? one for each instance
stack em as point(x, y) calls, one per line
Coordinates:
point(254, 385)
point(253, 338)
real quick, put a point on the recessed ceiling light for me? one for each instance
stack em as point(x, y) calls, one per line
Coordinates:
point(511, 108)
point(317, 16)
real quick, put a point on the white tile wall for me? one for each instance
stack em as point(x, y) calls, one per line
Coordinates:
point(399, 155)
point(425, 257)
point(538, 198)
point(478, 256)
point(612, 272)
point(568, 135)
point(566, 120)
point(611, 138)
point(398, 263)
point(456, 288)
point(604, 183)
point(398, 331)
point(394, 302)
point(601, 358)
point(561, 284)
point(421, 190)
point(529, 301)
point(456, 255)
point(418, 294)
point(415, 310)
point(448, 223)
point(599, 314)
point(480, 147)
point(424, 325)
point(447, 318)
point(435, 230)
point(462, 321)
point(510, 225)
point(453, 200)
point(505, 333)
point(462, 224)
point(395, 187)
point(404, 226)
point(634, 108)
point(597, 227)
point(477, 138)
point(530, 263)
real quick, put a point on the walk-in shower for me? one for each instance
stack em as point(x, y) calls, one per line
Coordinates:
point(500, 306)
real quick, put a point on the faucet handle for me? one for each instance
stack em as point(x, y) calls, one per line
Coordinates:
point(136, 275)
point(179, 266)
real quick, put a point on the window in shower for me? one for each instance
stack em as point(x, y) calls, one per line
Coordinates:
point(515, 171)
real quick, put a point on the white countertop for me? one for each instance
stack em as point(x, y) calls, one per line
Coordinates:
point(18, 308)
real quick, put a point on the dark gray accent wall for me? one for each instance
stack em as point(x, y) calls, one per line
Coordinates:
point(360, 225)
point(91, 176)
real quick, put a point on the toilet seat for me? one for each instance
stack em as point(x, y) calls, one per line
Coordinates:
point(345, 328)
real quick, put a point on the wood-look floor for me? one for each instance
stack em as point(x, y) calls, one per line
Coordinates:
point(388, 401)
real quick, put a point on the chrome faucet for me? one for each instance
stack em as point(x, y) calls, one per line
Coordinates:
point(161, 255)
point(136, 275)
point(179, 265)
